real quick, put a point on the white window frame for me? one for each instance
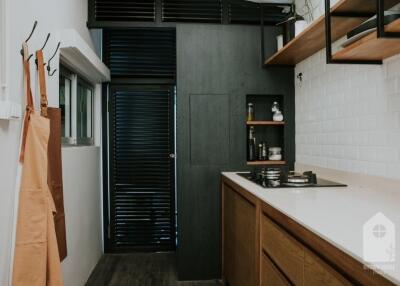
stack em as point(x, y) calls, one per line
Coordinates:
point(74, 139)
point(90, 113)
point(68, 140)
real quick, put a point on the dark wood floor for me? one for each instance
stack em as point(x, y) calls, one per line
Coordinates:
point(149, 269)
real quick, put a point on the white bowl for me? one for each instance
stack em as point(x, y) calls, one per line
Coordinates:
point(275, 157)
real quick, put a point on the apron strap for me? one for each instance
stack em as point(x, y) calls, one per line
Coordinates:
point(29, 99)
point(42, 84)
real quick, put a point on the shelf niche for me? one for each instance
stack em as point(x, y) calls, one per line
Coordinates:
point(264, 126)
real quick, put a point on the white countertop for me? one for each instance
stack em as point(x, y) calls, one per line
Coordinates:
point(336, 214)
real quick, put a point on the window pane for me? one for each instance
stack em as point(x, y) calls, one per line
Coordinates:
point(85, 113)
point(65, 105)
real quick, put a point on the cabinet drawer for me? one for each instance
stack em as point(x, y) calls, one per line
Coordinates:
point(270, 275)
point(285, 251)
point(317, 272)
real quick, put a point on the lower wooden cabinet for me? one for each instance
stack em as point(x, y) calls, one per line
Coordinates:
point(285, 251)
point(262, 246)
point(317, 272)
point(240, 238)
point(270, 274)
point(299, 264)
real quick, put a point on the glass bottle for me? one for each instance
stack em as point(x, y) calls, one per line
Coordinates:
point(260, 150)
point(252, 145)
point(264, 151)
point(250, 112)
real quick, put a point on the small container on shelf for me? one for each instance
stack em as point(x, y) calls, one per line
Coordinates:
point(277, 113)
point(250, 112)
point(275, 154)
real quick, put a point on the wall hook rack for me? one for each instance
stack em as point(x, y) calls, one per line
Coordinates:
point(52, 57)
point(29, 37)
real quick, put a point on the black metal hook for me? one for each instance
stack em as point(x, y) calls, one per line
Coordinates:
point(45, 42)
point(44, 45)
point(52, 57)
point(29, 37)
point(33, 30)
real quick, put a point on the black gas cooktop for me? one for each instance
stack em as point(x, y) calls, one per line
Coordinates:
point(314, 181)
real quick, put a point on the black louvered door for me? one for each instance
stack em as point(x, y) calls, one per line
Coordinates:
point(142, 168)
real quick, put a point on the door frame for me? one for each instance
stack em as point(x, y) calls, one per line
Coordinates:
point(107, 90)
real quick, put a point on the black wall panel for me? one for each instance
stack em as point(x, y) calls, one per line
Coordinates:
point(209, 129)
point(216, 67)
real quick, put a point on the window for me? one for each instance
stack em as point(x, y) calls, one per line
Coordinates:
point(84, 113)
point(76, 103)
point(65, 105)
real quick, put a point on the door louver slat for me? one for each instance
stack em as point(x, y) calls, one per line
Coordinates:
point(243, 12)
point(124, 10)
point(141, 53)
point(142, 196)
point(207, 11)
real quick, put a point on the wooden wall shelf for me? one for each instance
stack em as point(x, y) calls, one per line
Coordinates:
point(371, 47)
point(312, 39)
point(260, 163)
point(265, 123)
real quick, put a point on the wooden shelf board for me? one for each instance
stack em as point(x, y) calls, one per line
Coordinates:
point(372, 48)
point(265, 122)
point(254, 163)
point(312, 39)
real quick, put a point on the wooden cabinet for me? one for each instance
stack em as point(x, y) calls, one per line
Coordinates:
point(317, 272)
point(285, 251)
point(262, 246)
point(270, 274)
point(295, 261)
point(240, 238)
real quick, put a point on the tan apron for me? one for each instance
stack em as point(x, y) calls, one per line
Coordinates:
point(36, 259)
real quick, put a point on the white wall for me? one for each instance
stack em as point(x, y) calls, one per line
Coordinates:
point(52, 16)
point(83, 212)
point(348, 116)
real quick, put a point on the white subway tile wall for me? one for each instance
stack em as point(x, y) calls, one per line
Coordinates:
point(348, 116)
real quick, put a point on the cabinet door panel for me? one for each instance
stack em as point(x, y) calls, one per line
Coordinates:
point(317, 272)
point(240, 244)
point(284, 250)
point(270, 275)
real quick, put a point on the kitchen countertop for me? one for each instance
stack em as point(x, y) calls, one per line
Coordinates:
point(336, 214)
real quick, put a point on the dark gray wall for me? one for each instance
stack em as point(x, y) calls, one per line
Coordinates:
point(217, 66)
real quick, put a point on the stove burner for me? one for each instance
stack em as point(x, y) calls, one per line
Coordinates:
point(276, 178)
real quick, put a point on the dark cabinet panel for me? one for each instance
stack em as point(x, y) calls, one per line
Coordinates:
point(217, 66)
point(209, 129)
